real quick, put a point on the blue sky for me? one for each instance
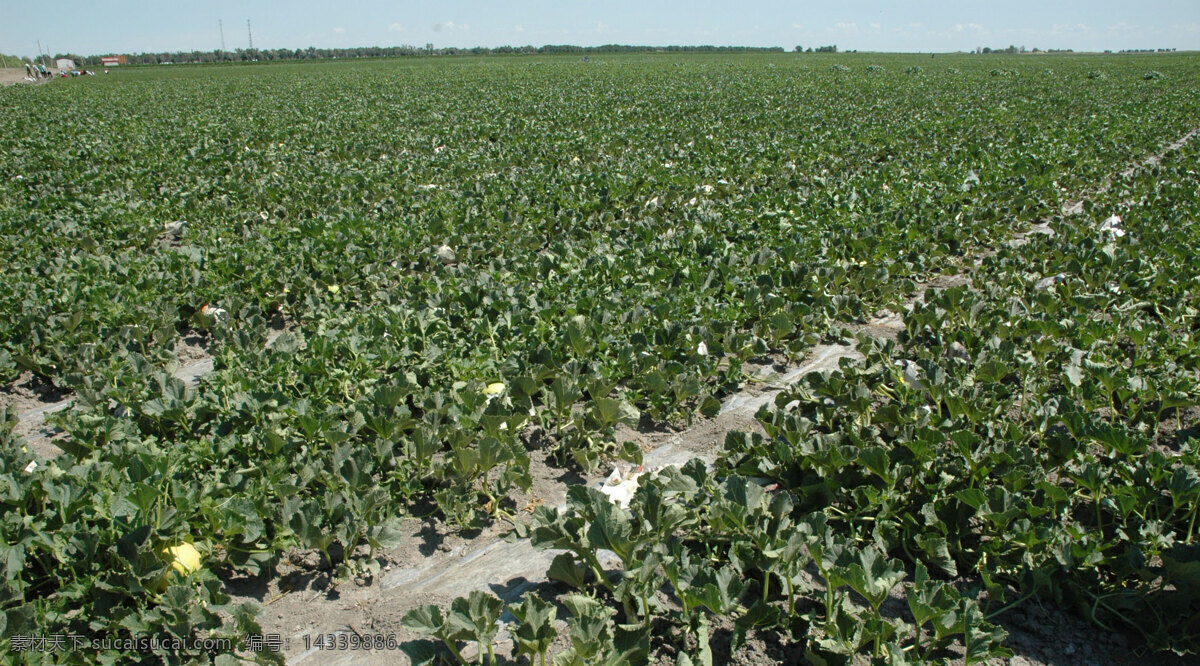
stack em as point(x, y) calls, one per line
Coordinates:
point(931, 25)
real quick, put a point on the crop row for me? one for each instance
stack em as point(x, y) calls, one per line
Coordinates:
point(462, 252)
point(1022, 439)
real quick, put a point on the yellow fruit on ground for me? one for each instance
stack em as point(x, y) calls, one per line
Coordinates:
point(184, 558)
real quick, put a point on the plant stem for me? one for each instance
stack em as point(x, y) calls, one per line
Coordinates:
point(1006, 608)
point(1024, 380)
point(454, 650)
point(594, 563)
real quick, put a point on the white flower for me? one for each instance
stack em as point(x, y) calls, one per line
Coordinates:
point(620, 488)
point(911, 374)
point(1047, 282)
point(216, 314)
point(1112, 226)
point(970, 181)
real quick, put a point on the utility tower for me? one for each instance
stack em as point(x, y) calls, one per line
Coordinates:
point(250, 34)
point(221, 27)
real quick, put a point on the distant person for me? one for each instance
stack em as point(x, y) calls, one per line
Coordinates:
point(28, 70)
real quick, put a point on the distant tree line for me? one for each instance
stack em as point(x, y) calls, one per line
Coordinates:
point(1010, 50)
point(1021, 49)
point(624, 48)
point(311, 53)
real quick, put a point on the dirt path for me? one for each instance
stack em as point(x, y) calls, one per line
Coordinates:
point(13, 75)
point(1076, 207)
point(437, 566)
point(34, 402)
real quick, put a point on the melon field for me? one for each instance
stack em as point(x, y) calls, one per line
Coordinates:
point(657, 359)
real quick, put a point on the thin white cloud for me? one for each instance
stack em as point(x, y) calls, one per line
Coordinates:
point(519, 28)
point(396, 27)
point(339, 30)
point(844, 26)
point(798, 26)
point(449, 25)
point(1069, 28)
